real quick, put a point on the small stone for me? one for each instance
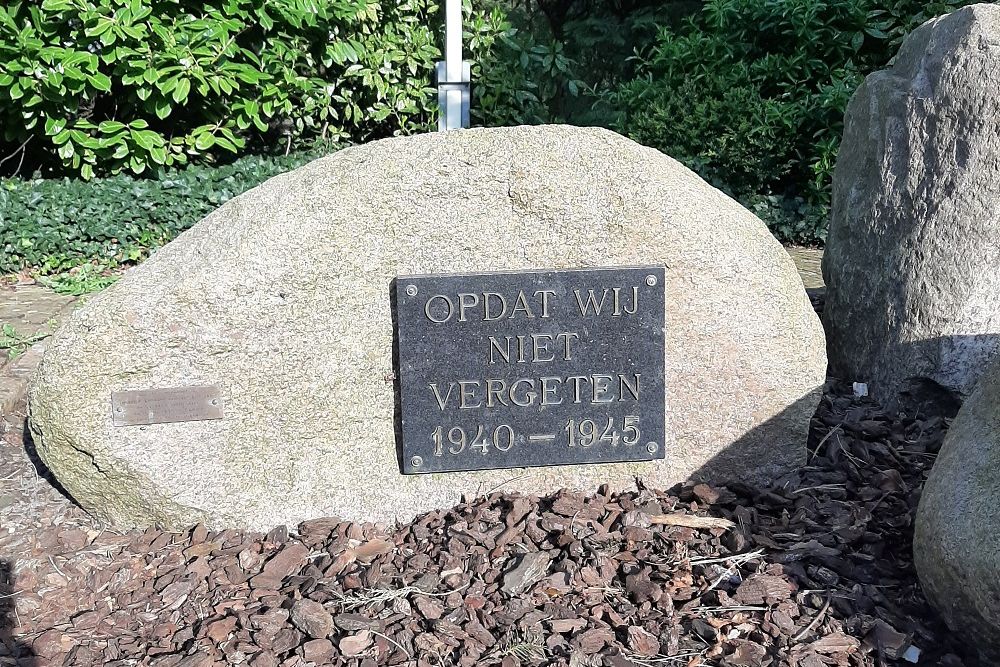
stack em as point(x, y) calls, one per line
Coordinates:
point(199, 533)
point(281, 565)
point(53, 643)
point(763, 589)
point(593, 640)
point(310, 617)
point(285, 640)
point(642, 642)
point(747, 654)
point(368, 551)
point(318, 650)
point(705, 630)
point(269, 622)
point(86, 620)
point(264, 659)
point(642, 589)
point(567, 624)
point(430, 608)
point(218, 631)
point(531, 568)
point(706, 494)
point(354, 645)
point(200, 549)
point(354, 622)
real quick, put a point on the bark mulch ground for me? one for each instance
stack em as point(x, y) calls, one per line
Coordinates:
point(815, 571)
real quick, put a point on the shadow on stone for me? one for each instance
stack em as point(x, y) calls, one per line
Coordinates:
point(757, 445)
point(919, 397)
point(397, 404)
point(10, 648)
point(40, 468)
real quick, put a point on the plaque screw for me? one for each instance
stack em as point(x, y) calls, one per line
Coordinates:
point(650, 280)
point(416, 461)
point(215, 401)
point(411, 290)
point(651, 447)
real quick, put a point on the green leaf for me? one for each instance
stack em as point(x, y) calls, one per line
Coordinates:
point(100, 81)
point(204, 141)
point(110, 126)
point(227, 144)
point(162, 108)
point(181, 91)
point(144, 138)
point(54, 126)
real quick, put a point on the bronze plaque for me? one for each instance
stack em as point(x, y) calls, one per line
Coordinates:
point(165, 406)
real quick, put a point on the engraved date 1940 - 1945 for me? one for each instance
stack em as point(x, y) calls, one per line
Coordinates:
point(583, 433)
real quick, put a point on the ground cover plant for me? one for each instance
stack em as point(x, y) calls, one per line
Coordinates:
point(55, 225)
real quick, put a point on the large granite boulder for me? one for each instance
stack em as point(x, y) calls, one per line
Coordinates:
point(282, 298)
point(956, 545)
point(912, 263)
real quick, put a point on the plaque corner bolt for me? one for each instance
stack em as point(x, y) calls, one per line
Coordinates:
point(416, 461)
point(651, 280)
point(651, 447)
point(411, 290)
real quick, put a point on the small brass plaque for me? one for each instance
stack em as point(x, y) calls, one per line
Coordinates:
point(165, 406)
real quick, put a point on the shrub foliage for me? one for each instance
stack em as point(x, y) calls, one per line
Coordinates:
point(105, 86)
point(752, 96)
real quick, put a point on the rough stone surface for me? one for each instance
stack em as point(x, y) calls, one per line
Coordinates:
point(282, 298)
point(912, 263)
point(955, 544)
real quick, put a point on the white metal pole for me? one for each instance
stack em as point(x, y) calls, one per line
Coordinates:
point(453, 60)
point(453, 39)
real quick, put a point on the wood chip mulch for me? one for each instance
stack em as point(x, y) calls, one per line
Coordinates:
point(813, 572)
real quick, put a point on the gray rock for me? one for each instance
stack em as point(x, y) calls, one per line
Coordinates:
point(955, 544)
point(281, 297)
point(912, 264)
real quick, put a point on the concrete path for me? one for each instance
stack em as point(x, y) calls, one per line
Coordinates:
point(808, 261)
point(30, 313)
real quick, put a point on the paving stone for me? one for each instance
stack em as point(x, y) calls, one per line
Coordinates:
point(31, 310)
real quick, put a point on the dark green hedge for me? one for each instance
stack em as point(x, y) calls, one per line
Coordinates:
point(53, 225)
point(752, 95)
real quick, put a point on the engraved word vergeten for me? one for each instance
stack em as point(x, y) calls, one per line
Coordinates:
point(507, 370)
